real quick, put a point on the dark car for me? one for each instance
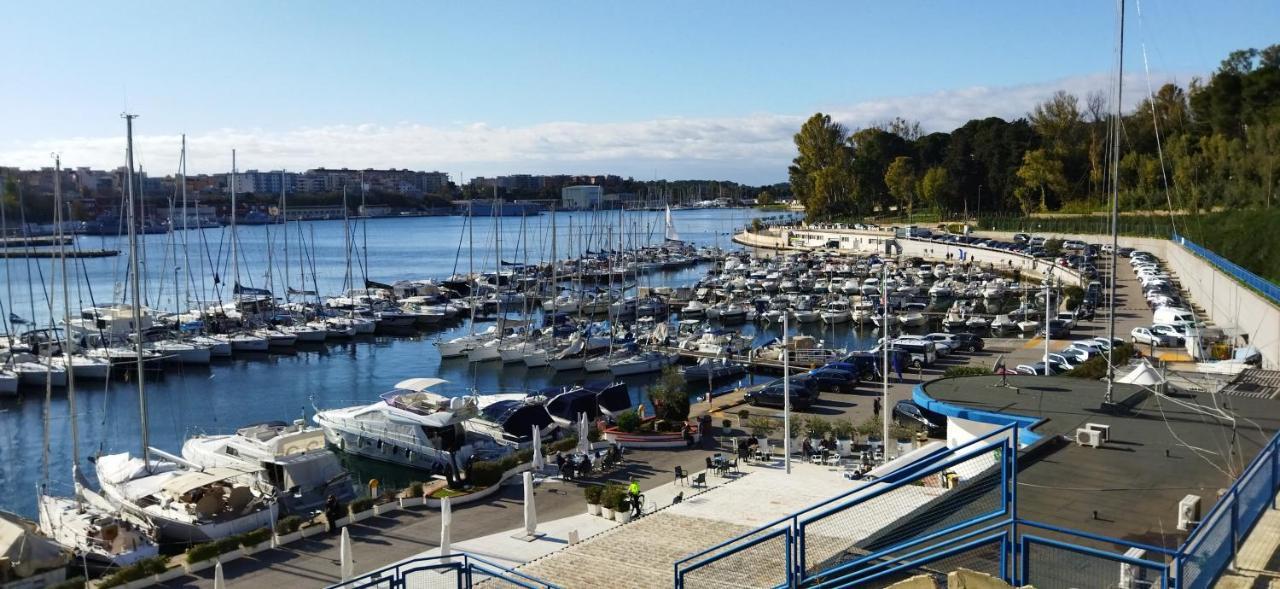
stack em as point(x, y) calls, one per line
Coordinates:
point(863, 364)
point(968, 341)
point(908, 413)
point(1057, 328)
point(802, 394)
point(832, 379)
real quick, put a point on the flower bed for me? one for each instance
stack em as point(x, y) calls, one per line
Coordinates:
point(645, 437)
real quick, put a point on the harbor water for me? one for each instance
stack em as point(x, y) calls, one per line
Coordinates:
point(254, 388)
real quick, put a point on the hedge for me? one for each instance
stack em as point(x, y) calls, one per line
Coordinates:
point(288, 524)
point(955, 371)
point(142, 569)
point(362, 504)
point(255, 537)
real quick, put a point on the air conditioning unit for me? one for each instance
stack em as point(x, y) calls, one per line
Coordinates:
point(1088, 437)
point(1103, 430)
point(1188, 512)
point(1134, 576)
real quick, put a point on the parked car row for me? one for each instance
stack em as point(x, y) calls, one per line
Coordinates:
point(1072, 356)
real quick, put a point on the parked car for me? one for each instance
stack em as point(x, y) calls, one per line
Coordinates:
point(1038, 369)
point(907, 412)
point(1074, 356)
point(1144, 335)
point(967, 341)
point(1057, 329)
point(828, 378)
point(1177, 334)
point(1063, 361)
point(772, 395)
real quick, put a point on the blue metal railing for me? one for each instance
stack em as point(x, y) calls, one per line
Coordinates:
point(460, 567)
point(1261, 285)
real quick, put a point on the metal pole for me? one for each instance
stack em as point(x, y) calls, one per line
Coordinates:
point(1047, 318)
point(786, 395)
point(137, 304)
point(884, 400)
point(1115, 207)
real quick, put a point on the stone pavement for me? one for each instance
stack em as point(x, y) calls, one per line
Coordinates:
point(1258, 562)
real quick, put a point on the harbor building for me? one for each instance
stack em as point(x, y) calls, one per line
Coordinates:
point(581, 197)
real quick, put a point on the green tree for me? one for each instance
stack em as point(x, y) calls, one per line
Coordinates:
point(669, 395)
point(1059, 122)
point(819, 173)
point(900, 179)
point(1039, 176)
point(764, 199)
point(935, 187)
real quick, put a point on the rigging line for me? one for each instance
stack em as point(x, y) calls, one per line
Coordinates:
point(1199, 452)
point(1155, 119)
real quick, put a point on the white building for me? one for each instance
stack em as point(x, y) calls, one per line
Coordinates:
point(581, 197)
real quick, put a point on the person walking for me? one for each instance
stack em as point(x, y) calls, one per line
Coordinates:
point(875, 406)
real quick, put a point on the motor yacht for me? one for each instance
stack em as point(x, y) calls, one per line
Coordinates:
point(291, 458)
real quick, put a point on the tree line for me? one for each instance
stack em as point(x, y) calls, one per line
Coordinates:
point(1219, 140)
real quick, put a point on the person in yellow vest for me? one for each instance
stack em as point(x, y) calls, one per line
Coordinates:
point(633, 490)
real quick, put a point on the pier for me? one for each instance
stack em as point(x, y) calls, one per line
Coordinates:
point(18, 254)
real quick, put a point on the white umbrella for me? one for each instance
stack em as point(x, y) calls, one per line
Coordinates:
point(345, 560)
point(446, 521)
point(218, 581)
point(530, 510)
point(538, 462)
point(584, 445)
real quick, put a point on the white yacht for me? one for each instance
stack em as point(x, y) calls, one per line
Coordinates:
point(641, 363)
point(186, 503)
point(292, 458)
point(1002, 323)
point(836, 312)
point(181, 352)
point(411, 426)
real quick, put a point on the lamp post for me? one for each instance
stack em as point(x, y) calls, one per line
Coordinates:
point(786, 394)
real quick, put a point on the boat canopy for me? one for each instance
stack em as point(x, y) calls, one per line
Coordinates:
point(25, 549)
point(419, 385)
point(191, 480)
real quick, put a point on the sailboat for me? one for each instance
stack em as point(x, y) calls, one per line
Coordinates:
point(671, 234)
point(185, 502)
point(79, 523)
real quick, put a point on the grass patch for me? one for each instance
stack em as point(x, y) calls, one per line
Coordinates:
point(443, 492)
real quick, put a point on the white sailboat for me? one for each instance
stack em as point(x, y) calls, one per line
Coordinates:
point(185, 503)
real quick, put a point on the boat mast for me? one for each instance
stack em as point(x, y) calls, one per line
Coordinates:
point(186, 256)
point(69, 351)
point(1115, 207)
point(133, 280)
point(284, 214)
point(235, 254)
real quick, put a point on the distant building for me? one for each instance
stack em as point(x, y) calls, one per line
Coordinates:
point(581, 197)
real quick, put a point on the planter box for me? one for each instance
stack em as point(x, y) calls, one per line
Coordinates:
point(232, 555)
point(622, 517)
point(656, 440)
point(465, 499)
point(408, 502)
point(195, 567)
point(310, 531)
point(382, 508)
point(256, 548)
point(363, 515)
point(593, 509)
point(289, 538)
point(607, 513)
point(168, 575)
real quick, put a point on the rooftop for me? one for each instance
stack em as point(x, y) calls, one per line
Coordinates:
point(1163, 448)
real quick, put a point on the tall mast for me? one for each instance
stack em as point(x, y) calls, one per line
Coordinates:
point(235, 253)
point(1115, 205)
point(69, 350)
point(133, 281)
point(186, 255)
point(284, 214)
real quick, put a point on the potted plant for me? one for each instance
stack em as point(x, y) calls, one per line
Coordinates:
point(592, 493)
point(609, 500)
point(727, 426)
point(843, 432)
point(743, 416)
point(622, 509)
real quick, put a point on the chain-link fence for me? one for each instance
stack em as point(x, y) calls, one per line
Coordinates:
point(1050, 564)
point(761, 560)
point(930, 507)
point(444, 572)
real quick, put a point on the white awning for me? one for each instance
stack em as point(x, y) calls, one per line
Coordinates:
point(419, 384)
point(1144, 375)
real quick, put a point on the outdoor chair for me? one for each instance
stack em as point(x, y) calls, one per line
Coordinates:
point(700, 480)
point(681, 475)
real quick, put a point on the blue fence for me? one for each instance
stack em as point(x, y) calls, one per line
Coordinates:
point(1219, 534)
point(457, 571)
point(1257, 283)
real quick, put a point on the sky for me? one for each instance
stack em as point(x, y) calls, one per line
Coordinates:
point(653, 89)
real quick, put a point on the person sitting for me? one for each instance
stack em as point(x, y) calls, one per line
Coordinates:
point(687, 432)
point(807, 448)
point(584, 467)
point(560, 465)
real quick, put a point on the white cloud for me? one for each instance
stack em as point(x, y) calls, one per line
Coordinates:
point(754, 148)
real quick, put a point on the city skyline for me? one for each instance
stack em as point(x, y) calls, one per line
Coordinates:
point(482, 90)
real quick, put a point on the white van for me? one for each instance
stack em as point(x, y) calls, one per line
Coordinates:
point(1174, 316)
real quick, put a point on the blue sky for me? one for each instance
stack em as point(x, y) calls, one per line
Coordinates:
point(673, 89)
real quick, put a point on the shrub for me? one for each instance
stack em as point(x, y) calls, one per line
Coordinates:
point(629, 421)
point(137, 571)
point(524, 455)
point(73, 583)
point(956, 371)
point(255, 537)
point(413, 490)
point(761, 427)
point(726, 424)
point(623, 501)
point(288, 524)
point(485, 473)
point(744, 415)
point(593, 493)
point(612, 495)
point(565, 445)
point(593, 434)
point(362, 504)
point(1074, 296)
point(843, 430)
point(209, 550)
point(1096, 367)
point(817, 427)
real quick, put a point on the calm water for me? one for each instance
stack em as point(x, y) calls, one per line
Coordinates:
point(243, 390)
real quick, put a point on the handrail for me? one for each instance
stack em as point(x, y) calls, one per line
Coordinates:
point(1099, 538)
